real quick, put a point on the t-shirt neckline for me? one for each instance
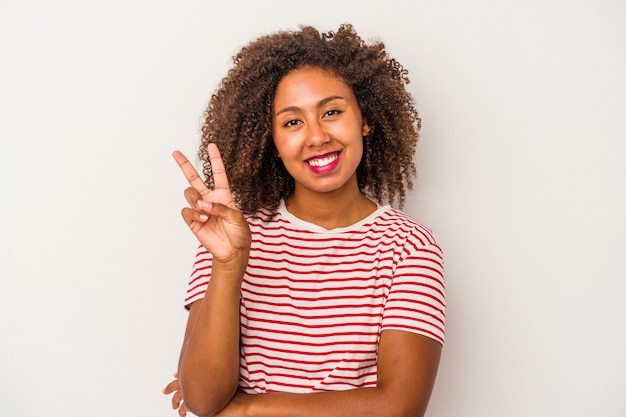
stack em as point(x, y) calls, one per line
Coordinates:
point(282, 209)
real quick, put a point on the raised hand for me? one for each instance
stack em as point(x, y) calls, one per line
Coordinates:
point(214, 218)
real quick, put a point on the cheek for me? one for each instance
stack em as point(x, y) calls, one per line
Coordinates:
point(284, 146)
point(289, 140)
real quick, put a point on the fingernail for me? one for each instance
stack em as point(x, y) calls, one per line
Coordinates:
point(204, 217)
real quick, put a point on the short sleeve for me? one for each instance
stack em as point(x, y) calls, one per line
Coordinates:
point(416, 301)
point(200, 276)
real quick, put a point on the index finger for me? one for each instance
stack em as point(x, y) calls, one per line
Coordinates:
point(190, 173)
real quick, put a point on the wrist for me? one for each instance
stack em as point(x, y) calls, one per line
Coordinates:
point(235, 265)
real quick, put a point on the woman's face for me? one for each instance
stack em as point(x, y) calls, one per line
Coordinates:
point(318, 130)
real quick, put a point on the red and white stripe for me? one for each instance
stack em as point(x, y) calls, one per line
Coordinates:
point(314, 301)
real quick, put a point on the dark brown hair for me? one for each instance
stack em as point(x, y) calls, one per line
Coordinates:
point(239, 115)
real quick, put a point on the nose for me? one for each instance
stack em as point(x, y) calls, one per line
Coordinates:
point(316, 134)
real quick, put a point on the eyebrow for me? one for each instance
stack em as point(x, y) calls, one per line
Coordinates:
point(320, 104)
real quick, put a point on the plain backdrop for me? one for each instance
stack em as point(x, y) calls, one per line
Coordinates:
point(521, 176)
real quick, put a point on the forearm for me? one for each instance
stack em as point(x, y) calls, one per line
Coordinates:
point(406, 371)
point(209, 362)
point(362, 402)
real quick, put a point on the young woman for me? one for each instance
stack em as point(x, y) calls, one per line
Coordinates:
point(310, 294)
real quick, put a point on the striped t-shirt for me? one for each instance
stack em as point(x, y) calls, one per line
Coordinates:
point(314, 301)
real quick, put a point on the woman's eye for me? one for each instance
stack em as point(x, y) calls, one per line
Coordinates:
point(331, 113)
point(293, 122)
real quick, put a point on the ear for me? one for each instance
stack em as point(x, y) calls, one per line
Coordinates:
point(275, 149)
point(366, 128)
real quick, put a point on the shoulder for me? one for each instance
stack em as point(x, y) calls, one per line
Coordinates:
point(405, 227)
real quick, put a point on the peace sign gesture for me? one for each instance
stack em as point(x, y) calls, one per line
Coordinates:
point(213, 216)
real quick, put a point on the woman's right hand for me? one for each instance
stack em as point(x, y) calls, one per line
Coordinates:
point(213, 216)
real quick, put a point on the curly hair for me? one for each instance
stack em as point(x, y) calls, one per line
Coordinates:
point(239, 115)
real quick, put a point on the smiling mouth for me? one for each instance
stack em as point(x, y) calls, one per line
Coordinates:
point(323, 161)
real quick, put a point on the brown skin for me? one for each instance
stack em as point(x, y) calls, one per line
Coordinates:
point(265, 164)
point(407, 363)
point(210, 381)
point(397, 392)
point(239, 115)
point(407, 368)
point(316, 115)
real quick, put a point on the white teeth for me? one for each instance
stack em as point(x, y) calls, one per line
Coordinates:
point(322, 162)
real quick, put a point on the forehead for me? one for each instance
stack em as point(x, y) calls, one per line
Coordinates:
point(309, 84)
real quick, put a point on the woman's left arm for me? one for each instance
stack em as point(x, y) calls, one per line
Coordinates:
point(407, 368)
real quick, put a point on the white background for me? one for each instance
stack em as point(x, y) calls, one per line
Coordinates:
point(521, 176)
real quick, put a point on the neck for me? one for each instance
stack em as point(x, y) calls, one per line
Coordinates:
point(330, 210)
